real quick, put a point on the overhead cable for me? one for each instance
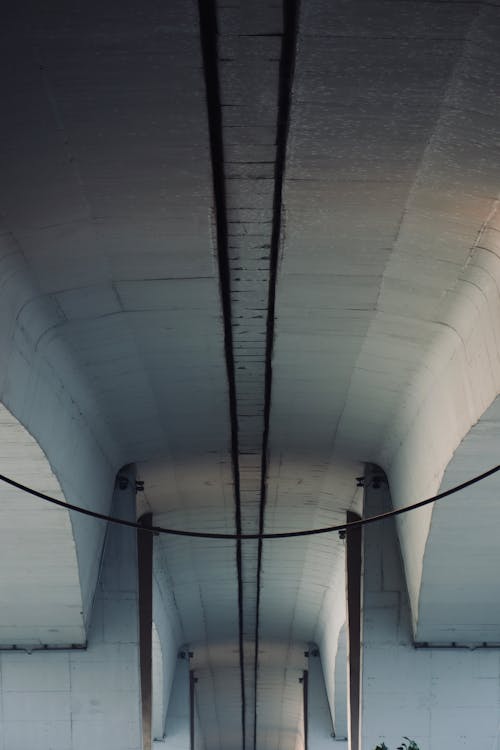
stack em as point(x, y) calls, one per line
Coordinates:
point(272, 535)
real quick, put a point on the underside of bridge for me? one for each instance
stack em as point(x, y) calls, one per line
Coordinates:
point(250, 268)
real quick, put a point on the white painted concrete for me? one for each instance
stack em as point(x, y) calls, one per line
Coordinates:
point(460, 589)
point(387, 329)
point(159, 709)
point(75, 700)
point(442, 698)
point(39, 580)
point(195, 602)
point(456, 391)
point(111, 343)
point(42, 389)
point(340, 721)
point(460, 374)
point(303, 597)
point(168, 632)
point(319, 719)
point(93, 271)
point(177, 726)
point(371, 251)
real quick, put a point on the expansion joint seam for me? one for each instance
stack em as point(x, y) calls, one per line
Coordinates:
point(209, 48)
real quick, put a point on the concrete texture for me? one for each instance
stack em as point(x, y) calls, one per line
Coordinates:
point(166, 628)
point(460, 559)
point(177, 728)
point(114, 347)
point(340, 703)
point(44, 401)
point(73, 700)
point(319, 720)
point(159, 710)
point(44, 595)
point(441, 698)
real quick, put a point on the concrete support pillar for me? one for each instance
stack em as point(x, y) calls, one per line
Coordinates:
point(81, 699)
point(318, 724)
point(441, 698)
point(179, 725)
point(353, 580)
point(145, 572)
point(340, 717)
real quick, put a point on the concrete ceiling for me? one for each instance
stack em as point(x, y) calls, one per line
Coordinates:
point(251, 242)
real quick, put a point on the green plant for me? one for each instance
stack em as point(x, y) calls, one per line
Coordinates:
point(408, 745)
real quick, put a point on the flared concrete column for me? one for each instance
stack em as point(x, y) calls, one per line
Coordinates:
point(81, 699)
point(320, 734)
point(178, 727)
point(441, 698)
point(340, 723)
point(182, 725)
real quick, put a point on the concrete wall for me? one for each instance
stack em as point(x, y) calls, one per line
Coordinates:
point(442, 698)
point(82, 699)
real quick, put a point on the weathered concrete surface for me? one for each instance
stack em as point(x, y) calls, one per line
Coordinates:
point(177, 727)
point(439, 697)
point(73, 700)
point(49, 413)
point(387, 302)
point(460, 589)
point(111, 341)
point(39, 580)
point(110, 336)
point(319, 719)
point(340, 702)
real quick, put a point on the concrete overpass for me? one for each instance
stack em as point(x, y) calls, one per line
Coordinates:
point(249, 253)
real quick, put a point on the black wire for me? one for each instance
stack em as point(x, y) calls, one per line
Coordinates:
point(276, 535)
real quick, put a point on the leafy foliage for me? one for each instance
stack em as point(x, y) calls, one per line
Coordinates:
point(410, 745)
point(406, 745)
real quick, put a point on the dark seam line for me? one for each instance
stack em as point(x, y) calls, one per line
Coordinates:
point(353, 569)
point(145, 581)
point(286, 71)
point(208, 36)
